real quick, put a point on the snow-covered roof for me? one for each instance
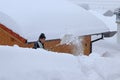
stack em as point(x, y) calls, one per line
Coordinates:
point(109, 21)
point(55, 18)
point(99, 4)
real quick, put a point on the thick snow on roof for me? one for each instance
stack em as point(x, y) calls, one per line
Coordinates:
point(99, 4)
point(109, 21)
point(52, 17)
point(9, 22)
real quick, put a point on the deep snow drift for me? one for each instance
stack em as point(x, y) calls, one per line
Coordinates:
point(30, 64)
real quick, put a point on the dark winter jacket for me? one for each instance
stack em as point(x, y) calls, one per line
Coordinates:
point(38, 44)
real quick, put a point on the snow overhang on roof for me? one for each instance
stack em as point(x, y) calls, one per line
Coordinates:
point(52, 17)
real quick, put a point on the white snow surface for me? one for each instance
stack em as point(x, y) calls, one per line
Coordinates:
point(55, 18)
point(109, 21)
point(38, 64)
point(99, 4)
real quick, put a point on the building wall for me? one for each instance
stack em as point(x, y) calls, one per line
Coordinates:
point(87, 47)
point(54, 45)
point(8, 37)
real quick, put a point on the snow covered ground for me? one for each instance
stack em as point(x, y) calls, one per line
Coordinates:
point(29, 64)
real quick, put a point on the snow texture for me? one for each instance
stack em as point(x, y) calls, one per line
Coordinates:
point(30, 64)
point(38, 64)
point(55, 18)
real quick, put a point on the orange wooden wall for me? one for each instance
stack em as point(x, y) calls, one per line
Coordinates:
point(87, 45)
point(8, 37)
point(54, 45)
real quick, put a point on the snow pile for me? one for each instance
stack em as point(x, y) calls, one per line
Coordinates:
point(107, 47)
point(37, 64)
point(29, 64)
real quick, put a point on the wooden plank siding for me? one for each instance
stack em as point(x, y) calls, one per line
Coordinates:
point(54, 45)
point(87, 45)
point(15, 35)
point(8, 37)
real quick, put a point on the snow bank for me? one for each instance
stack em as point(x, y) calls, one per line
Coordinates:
point(108, 47)
point(29, 64)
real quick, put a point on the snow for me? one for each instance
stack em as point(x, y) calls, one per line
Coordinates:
point(99, 4)
point(38, 64)
point(8, 21)
point(30, 64)
point(55, 18)
point(109, 21)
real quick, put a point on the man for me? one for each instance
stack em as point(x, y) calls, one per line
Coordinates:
point(40, 42)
